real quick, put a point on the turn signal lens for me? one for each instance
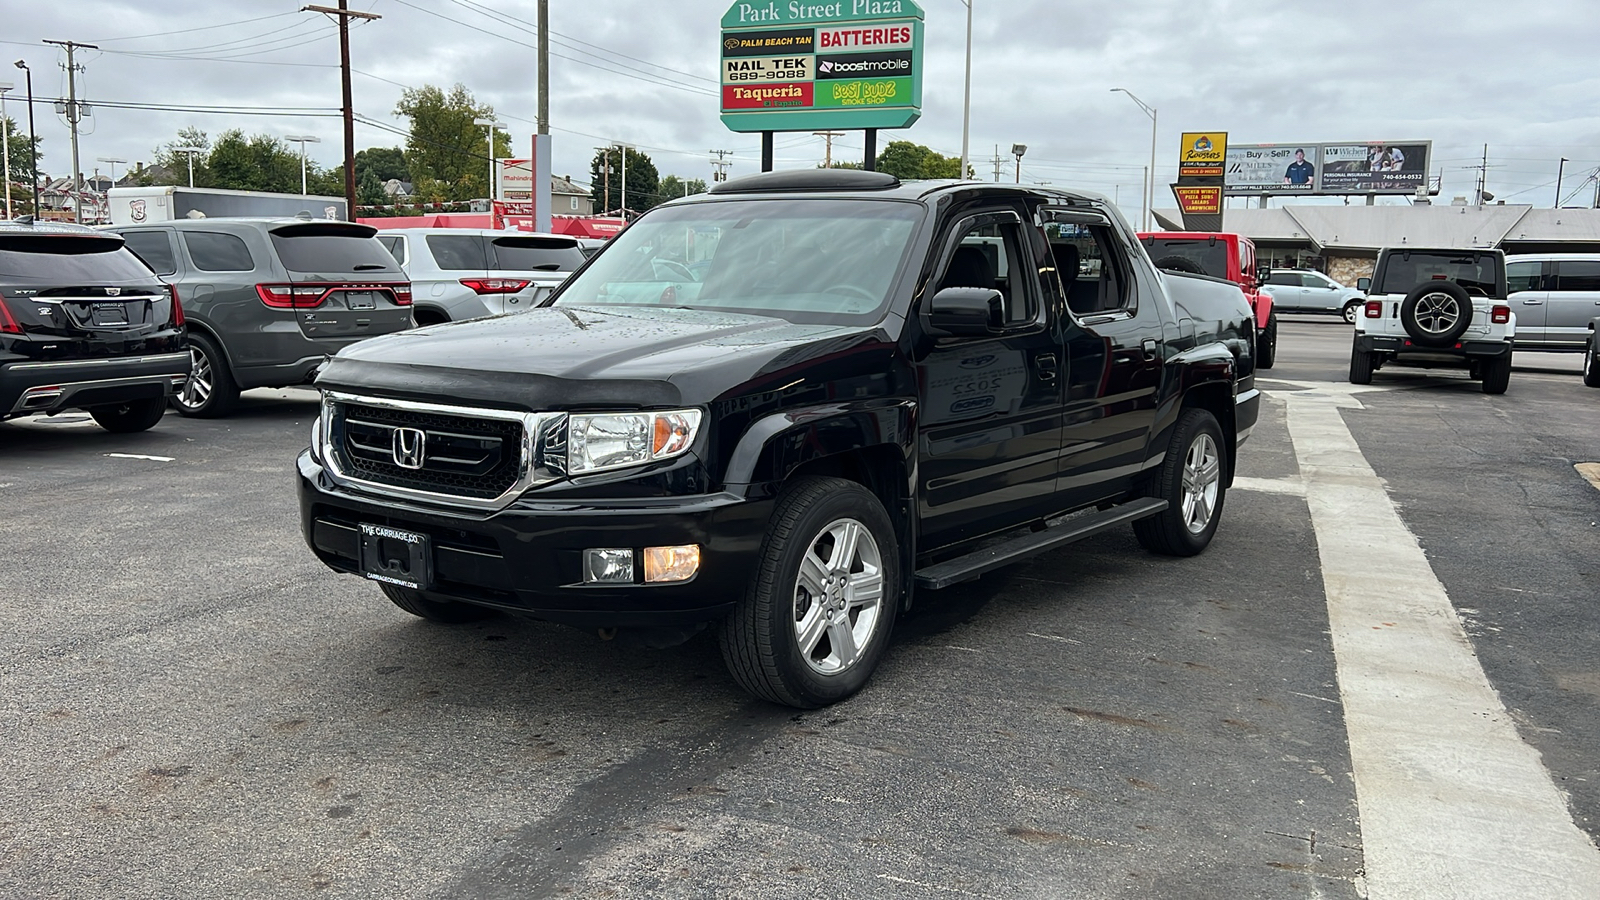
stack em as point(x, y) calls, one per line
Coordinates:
point(1500, 315)
point(1374, 309)
point(664, 564)
point(672, 434)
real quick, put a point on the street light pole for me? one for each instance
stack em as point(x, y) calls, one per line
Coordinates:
point(33, 145)
point(5, 143)
point(190, 152)
point(966, 100)
point(1560, 170)
point(624, 148)
point(303, 139)
point(1018, 150)
point(1150, 182)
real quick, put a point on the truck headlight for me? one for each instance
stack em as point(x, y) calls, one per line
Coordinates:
point(600, 441)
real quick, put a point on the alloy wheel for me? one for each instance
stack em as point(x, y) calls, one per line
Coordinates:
point(1202, 477)
point(1437, 313)
point(197, 389)
point(838, 596)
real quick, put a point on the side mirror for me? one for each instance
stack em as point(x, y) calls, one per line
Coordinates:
point(1262, 274)
point(1364, 285)
point(963, 312)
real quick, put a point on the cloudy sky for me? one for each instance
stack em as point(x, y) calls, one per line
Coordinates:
point(1519, 77)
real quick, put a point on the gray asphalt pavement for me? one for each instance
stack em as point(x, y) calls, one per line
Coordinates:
point(194, 707)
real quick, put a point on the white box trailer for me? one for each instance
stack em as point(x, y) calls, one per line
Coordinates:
point(138, 205)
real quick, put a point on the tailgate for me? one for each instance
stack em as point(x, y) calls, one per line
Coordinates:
point(343, 283)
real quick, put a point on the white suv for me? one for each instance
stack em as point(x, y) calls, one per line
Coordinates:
point(1437, 307)
point(464, 273)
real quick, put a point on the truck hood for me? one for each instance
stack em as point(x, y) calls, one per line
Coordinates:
point(572, 357)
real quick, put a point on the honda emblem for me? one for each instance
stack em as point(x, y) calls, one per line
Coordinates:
point(409, 447)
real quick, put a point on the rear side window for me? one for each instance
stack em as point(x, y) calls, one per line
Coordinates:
point(216, 252)
point(396, 247)
point(1578, 275)
point(1288, 279)
point(457, 251)
point(535, 253)
point(69, 260)
point(311, 250)
point(155, 248)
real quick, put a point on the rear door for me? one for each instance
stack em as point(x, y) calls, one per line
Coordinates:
point(346, 285)
point(538, 263)
point(1575, 301)
point(74, 296)
point(1527, 281)
point(1287, 290)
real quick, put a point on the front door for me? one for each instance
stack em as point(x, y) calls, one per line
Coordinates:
point(990, 405)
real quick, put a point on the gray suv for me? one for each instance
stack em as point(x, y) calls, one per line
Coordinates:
point(267, 300)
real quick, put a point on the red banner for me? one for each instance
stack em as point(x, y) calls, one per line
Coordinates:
point(1199, 201)
point(767, 96)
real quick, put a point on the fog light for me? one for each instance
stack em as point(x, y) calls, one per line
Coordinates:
point(671, 563)
point(608, 566)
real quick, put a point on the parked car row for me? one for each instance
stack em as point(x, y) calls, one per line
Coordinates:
point(120, 320)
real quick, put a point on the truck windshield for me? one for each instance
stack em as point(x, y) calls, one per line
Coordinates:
point(1210, 257)
point(808, 261)
point(1479, 273)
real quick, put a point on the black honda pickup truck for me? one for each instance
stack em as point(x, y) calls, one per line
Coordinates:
point(782, 408)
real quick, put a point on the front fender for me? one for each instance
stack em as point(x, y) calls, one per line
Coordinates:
point(775, 445)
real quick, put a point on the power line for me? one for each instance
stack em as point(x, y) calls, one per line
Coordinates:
point(137, 37)
point(568, 40)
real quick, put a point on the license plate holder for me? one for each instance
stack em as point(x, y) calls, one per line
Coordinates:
point(360, 300)
point(396, 556)
point(108, 314)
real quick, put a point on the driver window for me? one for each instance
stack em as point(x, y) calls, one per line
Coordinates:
point(989, 256)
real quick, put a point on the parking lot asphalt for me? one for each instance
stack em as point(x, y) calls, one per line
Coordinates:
point(193, 706)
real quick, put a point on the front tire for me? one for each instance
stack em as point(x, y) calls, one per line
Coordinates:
point(1591, 362)
point(130, 417)
point(1496, 374)
point(1191, 480)
point(424, 606)
point(817, 616)
point(210, 391)
point(1267, 343)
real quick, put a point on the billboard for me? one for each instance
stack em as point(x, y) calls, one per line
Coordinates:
point(1350, 167)
point(816, 66)
point(1201, 154)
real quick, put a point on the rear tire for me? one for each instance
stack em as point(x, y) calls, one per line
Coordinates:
point(1361, 365)
point(1267, 343)
point(210, 391)
point(1351, 310)
point(817, 616)
point(1591, 362)
point(424, 606)
point(1191, 480)
point(1496, 374)
point(130, 417)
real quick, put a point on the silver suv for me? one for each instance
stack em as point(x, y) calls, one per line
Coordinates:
point(1306, 290)
point(1443, 307)
point(464, 273)
point(267, 300)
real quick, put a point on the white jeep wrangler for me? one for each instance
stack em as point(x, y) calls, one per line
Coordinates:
point(1437, 307)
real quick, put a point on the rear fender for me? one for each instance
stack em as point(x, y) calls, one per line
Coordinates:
point(1206, 378)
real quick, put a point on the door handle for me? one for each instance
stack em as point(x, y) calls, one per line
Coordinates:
point(1539, 302)
point(1047, 364)
point(1149, 346)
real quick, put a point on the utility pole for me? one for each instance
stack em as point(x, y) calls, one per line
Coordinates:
point(343, 14)
point(998, 162)
point(605, 203)
point(74, 116)
point(721, 164)
point(544, 66)
point(827, 154)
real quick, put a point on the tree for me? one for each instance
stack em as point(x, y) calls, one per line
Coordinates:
point(23, 159)
point(672, 187)
point(369, 190)
point(906, 160)
point(644, 183)
point(445, 146)
point(259, 163)
point(383, 162)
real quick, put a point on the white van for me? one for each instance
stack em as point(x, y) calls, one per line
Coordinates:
point(1555, 295)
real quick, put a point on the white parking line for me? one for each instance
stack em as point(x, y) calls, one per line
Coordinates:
point(140, 456)
point(1453, 804)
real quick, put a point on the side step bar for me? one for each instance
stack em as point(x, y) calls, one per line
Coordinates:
point(970, 566)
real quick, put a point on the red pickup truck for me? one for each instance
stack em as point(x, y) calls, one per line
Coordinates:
point(1231, 257)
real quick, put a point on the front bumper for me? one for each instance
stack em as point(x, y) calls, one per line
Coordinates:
point(1461, 353)
point(527, 558)
point(32, 387)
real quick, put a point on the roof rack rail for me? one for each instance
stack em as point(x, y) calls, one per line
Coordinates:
point(818, 180)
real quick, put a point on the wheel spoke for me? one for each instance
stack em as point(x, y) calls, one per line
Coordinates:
point(865, 589)
point(846, 536)
point(810, 628)
point(813, 574)
point(1210, 471)
point(842, 636)
point(1201, 511)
